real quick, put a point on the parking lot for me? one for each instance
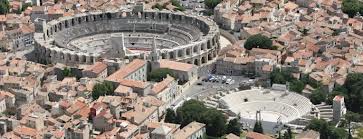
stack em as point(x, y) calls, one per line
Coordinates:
point(203, 88)
point(224, 82)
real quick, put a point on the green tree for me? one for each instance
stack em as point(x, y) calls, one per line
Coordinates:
point(194, 110)
point(352, 91)
point(158, 6)
point(25, 6)
point(351, 117)
point(67, 72)
point(352, 7)
point(177, 4)
point(258, 127)
point(211, 3)
point(215, 122)
point(287, 136)
point(258, 41)
point(279, 135)
point(317, 96)
point(338, 133)
point(101, 89)
point(170, 116)
point(297, 86)
point(4, 6)
point(360, 133)
point(159, 74)
point(326, 131)
point(234, 127)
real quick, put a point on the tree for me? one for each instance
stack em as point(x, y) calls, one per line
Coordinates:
point(178, 6)
point(67, 72)
point(194, 110)
point(258, 41)
point(326, 131)
point(170, 116)
point(159, 74)
point(279, 135)
point(4, 6)
point(101, 89)
point(211, 3)
point(352, 91)
point(297, 86)
point(25, 6)
point(234, 127)
point(215, 122)
point(258, 127)
point(352, 7)
point(317, 96)
point(338, 133)
point(351, 117)
point(157, 6)
point(360, 133)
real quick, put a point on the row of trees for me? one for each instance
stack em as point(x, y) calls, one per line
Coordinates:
point(352, 7)
point(193, 110)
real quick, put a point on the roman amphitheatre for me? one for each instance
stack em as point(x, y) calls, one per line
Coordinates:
point(88, 37)
point(275, 107)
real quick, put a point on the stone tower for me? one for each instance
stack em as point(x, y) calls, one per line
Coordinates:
point(154, 55)
point(339, 109)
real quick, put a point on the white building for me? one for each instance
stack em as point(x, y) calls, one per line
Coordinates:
point(166, 90)
point(193, 130)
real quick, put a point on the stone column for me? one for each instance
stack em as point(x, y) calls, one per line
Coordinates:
point(176, 54)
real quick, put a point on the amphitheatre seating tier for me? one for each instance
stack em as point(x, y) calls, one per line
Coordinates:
point(288, 105)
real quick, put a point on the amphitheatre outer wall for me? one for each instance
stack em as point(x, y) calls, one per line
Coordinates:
point(49, 49)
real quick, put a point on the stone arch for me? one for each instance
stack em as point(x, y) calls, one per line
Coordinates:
point(180, 53)
point(210, 56)
point(163, 55)
point(61, 55)
point(66, 24)
point(188, 51)
point(109, 15)
point(76, 58)
point(172, 55)
point(204, 59)
point(208, 44)
point(68, 57)
point(79, 20)
point(197, 62)
point(83, 59)
point(60, 26)
point(72, 21)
